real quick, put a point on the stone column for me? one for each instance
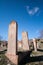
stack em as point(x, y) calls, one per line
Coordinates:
point(25, 41)
point(35, 45)
point(12, 43)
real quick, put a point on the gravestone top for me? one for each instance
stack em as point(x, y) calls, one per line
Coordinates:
point(13, 22)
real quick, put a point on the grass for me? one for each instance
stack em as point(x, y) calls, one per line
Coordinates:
point(3, 59)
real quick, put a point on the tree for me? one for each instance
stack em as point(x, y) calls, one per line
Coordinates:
point(1, 37)
point(40, 34)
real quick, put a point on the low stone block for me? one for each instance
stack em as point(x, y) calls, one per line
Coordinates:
point(12, 58)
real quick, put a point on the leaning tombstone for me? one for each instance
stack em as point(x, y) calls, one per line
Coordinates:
point(12, 43)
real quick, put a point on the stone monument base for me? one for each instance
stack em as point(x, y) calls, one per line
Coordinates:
point(12, 58)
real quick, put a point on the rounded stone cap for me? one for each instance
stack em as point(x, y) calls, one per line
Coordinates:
point(34, 39)
point(13, 22)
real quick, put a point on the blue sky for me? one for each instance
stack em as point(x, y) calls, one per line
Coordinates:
point(27, 13)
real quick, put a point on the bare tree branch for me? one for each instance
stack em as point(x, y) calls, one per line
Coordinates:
point(1, 37)
point(40, 34)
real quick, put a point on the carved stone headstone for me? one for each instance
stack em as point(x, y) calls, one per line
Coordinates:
point(12, 43)
point(35, 45)
point(25, 41)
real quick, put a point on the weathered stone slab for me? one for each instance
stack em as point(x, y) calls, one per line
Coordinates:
point(25, 41)
point(12, 43)
point(13, 58)
point(12, 38)
point(35, 45)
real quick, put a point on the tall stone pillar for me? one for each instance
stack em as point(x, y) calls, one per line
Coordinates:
point(35, 45)
point(12, 43)
point(25, 41)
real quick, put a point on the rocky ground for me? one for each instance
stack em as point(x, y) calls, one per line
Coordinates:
point(36, 58)
point(4, 60)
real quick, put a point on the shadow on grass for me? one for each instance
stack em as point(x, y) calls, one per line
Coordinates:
point(24, 57)
point(40, 50)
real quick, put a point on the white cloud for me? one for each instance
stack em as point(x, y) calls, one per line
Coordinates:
point(32, 11)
